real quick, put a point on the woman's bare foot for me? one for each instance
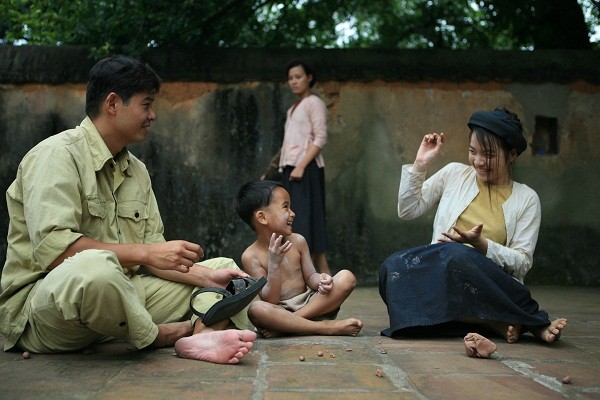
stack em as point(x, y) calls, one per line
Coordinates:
point(220, 347)
point(344, 327)
point(550, 333)
point(513, 333)
point(477, 345)
point(509, 332)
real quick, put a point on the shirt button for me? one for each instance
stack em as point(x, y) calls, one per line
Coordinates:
point(137, 214)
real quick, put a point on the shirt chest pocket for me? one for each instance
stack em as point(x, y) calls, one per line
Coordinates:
point(133, 216)
point(92, 225)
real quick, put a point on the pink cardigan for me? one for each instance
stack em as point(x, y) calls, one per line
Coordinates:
point(306, 125)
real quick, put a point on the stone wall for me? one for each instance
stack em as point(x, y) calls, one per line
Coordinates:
point(221, 115)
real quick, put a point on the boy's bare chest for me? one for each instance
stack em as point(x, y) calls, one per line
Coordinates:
point(291, 266)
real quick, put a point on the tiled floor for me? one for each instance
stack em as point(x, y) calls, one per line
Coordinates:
point(411, 369)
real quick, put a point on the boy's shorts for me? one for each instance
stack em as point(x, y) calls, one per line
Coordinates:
point(297, 302)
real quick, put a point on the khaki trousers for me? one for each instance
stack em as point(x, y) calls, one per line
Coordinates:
point(89, 299)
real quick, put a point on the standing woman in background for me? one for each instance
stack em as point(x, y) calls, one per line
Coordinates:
point(302, 162)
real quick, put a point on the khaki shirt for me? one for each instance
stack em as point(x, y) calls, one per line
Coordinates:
point(69, 186)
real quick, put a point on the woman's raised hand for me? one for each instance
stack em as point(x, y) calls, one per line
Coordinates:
point(430, 148)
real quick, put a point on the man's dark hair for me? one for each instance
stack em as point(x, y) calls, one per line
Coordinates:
point(254, 196)
point(123, 75)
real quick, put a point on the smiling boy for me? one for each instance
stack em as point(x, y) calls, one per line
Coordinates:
point(296, 299)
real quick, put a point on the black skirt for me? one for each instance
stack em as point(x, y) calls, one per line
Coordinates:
point(308, 202)
point(428, 288)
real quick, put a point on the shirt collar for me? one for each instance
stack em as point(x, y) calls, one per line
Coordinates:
point(100, 152)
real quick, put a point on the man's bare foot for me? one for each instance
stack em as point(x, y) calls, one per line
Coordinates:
point(344, 327)
point(550, 333)
point(168, 334)
point(477, 345)
point(220, 347)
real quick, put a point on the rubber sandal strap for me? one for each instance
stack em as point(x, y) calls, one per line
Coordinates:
point(233, 304)
point(218, 290)
point(238, 285)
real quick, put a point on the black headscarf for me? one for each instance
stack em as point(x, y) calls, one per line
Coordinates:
point(502, 124)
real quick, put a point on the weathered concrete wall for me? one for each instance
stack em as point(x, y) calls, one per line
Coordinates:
point(221, 115)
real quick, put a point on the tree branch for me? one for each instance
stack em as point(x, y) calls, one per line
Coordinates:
point(227, 8)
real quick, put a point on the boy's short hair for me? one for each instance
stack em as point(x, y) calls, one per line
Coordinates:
point(126, 76)
point(254, 196)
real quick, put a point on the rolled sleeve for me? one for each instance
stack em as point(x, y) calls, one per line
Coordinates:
point(53, 245)
point(318, 119)
point(51, 202)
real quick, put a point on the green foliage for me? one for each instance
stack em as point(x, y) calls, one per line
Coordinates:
point(131, 26)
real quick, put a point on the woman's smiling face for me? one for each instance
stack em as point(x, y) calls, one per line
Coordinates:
point(491, 165)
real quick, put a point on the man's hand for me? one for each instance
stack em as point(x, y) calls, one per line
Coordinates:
point(277, 250)
point(221, 277)
point(176, 255)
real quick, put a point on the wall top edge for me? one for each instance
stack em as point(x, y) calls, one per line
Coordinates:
point(71, 64)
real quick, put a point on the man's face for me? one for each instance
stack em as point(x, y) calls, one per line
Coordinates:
point(134, 119)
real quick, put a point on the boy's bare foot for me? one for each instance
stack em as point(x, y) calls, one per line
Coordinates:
point(267, 334)
point(477, 345)
point(345, 327)
point(550, 333)
point(220, 347)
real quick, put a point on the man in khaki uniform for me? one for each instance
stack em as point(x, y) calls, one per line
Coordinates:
point(83, 219)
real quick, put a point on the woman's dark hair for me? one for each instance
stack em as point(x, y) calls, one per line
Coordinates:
point(490, 142)
point(123, 75)
point(308, 70)
point(254, 196)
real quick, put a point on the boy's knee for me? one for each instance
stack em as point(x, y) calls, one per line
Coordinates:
point(346, 279)
point(257, 309)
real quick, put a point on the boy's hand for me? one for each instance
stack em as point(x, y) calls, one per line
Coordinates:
point(277, 250)
point(325, 284)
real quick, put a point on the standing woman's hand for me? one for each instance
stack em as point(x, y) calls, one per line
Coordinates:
point(297, 174)
point(430, 148)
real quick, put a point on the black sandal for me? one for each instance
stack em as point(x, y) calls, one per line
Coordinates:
point(238, 294)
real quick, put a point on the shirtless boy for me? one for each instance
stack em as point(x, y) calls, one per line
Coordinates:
point(296, 299)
